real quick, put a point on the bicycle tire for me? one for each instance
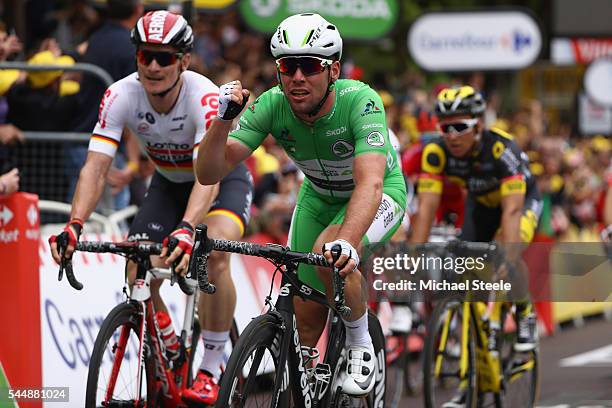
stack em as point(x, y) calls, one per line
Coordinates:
point(376, 398)
point(430, 383)
point(518, 389)
point(128, 315)
point(262, 333)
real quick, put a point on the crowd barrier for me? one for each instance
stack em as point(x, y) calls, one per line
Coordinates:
point(52, 327)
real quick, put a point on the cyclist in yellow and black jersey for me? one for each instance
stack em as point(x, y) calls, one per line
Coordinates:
point(503, 202)
point(495, 168)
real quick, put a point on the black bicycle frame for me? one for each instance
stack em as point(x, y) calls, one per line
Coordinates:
point(290, 350)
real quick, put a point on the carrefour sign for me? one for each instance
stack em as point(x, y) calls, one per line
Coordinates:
point(362, 19)
point(483, 40)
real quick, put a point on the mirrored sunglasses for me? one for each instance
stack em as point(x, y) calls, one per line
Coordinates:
point(163, 58)
point(308, 65)
point(460, 126)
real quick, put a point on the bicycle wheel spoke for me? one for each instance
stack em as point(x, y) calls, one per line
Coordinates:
point(449, 374)
point(115, 366)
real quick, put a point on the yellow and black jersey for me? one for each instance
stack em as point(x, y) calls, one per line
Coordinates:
point(496, 168)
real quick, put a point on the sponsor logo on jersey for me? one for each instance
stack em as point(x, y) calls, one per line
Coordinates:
point(372, 126)
point(371, 108)
point(139, 237)
point(375, 139)
point(105, 104)
point(155, 226)
point(342, 148)
point(482, 185)
point(180, 118)
point(210, 100)
point(348, 90)
point(150, 118)
point(143, 127)
point(336, 132)
point(286, 140)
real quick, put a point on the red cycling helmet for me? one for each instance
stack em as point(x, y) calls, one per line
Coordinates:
point(163, 28)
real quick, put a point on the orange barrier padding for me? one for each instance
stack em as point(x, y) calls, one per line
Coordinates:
point(20, 344)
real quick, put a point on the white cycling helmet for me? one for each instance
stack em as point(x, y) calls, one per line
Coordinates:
point(306, 34)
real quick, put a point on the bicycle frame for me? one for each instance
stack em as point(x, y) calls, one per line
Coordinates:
point(169, 381)
point(291, 349)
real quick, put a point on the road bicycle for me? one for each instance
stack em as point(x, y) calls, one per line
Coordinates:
point(470, 347)
point(405, 344)
point(129, 365)
point(268, 364)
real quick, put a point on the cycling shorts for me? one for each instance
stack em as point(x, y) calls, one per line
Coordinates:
point(165, 203)
point(481, 223)
point(313, 213)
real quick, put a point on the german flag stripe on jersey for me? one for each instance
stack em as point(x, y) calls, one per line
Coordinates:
point(513, 185)
point(105, 139)
point(169, 151)
point(188, 164)
point(229, 214)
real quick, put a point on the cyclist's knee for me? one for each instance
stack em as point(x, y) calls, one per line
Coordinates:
point(218, 264)
point(310, 319)
point(131, 269)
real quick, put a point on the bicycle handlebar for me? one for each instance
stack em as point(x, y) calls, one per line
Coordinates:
point(203, 246)
point(128, 249)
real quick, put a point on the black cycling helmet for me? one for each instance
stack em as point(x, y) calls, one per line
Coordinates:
point(462, 100)
point(163, 28)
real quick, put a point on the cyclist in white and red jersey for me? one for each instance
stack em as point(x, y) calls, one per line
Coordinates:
point(170, 109)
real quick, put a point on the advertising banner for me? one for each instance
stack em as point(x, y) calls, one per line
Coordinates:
point(360, 19)
point(571, 51)
point(481, 40)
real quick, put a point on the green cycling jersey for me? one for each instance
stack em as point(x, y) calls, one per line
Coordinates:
point(325, 149)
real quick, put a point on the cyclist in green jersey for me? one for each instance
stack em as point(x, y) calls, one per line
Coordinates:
point(335, 132)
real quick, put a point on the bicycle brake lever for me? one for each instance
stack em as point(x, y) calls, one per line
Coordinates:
point(182, 282)
point(66, 265)
point(338, 284)
point(172, 244)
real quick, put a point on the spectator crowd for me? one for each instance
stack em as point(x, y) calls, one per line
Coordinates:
point(572, 169)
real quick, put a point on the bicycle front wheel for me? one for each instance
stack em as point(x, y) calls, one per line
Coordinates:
point(113, 378)
point(248, 380)
point(520, 370)
point(446, 357)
